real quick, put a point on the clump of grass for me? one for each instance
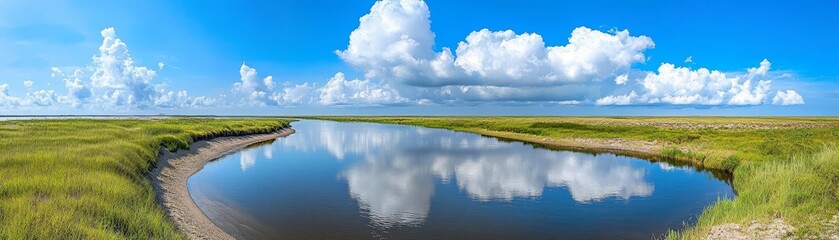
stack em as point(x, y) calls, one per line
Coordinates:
point(730, 163)
point(677, 153)
point(86, 179)
point(803, 190)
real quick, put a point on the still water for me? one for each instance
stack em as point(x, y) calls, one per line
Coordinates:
point(334, 180)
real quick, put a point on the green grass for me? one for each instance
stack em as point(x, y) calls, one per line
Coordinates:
point(87, 179)
point(784, 167)
point(802, 190)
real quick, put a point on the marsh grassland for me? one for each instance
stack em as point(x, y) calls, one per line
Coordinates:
point(87, 179)
point(784, 168)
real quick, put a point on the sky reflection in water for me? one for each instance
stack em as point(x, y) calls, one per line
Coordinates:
point(398, 176)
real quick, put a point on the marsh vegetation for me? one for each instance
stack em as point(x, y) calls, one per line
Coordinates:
point(87, 179)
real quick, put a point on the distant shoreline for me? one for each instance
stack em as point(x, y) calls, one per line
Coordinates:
point(173, 169)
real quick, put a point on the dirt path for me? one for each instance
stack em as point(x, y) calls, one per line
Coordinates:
point(169, 181)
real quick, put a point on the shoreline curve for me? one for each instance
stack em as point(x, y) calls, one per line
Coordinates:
point(173, 170)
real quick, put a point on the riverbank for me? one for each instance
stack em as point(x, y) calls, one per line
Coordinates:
point(786, 169)
point(174, 169)
point(88, 179)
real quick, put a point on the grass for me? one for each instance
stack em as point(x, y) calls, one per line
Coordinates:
point(87, 179)
point(785, 167)
point(802, 190)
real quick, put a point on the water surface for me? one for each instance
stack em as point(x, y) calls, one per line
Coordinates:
point(335, 180)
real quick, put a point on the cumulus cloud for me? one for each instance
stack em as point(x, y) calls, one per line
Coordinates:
point(114, 81)
point(617, 99)
point(172, 99)
point(393, 47)
point(621, 80)
point(117, 82)
point(392, 40)
point(684, 86)
point(41, 97)
point(788, 97)
point(248, 79)
point(5, 99)
point(339, 90)
point(505, 58)
point(393, 44)
point(32, 98)
point(116, 76)
point(77, 91)
point(266, 92)
point(28, 84)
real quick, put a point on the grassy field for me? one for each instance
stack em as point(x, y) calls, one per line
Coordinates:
point(86, 179)
point(784, 168)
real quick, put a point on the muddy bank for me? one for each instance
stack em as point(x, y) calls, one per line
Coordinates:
point(169, 181)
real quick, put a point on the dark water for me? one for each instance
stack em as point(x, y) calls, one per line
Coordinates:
point(335, 180)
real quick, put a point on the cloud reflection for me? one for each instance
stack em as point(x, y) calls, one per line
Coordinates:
point(248, 156)
point(394, 181)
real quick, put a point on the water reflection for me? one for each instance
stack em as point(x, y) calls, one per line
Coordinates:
point(394, 182)
point(374, 181)
point(248, 156)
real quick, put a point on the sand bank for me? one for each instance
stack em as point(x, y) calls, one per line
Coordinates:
point(169, 181)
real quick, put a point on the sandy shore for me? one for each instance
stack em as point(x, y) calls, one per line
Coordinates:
point(169, 181)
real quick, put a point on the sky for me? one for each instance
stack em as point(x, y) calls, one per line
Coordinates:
point(434, 57)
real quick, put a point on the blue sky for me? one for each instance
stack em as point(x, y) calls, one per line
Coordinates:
point(415, 57)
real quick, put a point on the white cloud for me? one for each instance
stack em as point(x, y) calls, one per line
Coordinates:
point(394, 47)
point(265, 91)
point(249, 82)
point(762, 69)
point(621, 80)
point(121, 82)
point(393, 44)
point(684, 86)
point(505, 58)
point(617, 99)
point(788, 97)
point(392, 40)
point(459, 94)
point(5, 99)
point(172, 99)
point(338, 90)
point(77, 91)
point(204, 101)
point(41, 97)
point(117, 82)
point(36, 98)
point(294, 94)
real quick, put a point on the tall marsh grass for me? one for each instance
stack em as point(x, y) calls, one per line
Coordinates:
point(803, 190)
point(86, 179)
